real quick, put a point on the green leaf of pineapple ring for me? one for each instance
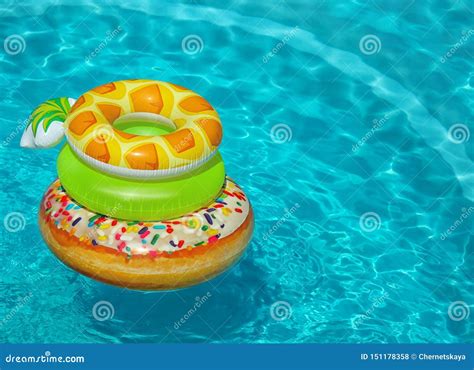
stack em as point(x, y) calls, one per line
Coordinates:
point(51, 110)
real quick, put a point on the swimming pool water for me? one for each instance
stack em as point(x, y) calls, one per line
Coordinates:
point(347, 123)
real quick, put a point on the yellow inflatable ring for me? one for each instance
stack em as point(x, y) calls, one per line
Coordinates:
point(91, 132)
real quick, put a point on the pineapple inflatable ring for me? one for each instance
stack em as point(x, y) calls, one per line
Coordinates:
point(142, 200)
point(90, 131)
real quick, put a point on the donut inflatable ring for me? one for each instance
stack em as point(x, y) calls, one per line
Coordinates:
point(142, 200)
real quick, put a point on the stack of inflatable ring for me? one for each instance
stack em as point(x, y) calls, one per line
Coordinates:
point(142, 200)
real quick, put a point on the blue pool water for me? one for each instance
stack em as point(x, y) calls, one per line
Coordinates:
point(349, 125)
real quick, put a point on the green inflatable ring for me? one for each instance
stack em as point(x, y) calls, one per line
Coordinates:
point(140, 200)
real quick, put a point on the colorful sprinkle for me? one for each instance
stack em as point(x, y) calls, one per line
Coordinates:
point(132, 237)
point(213, 239)
point(93, 218)
point(208, 218)
point(142, 230)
